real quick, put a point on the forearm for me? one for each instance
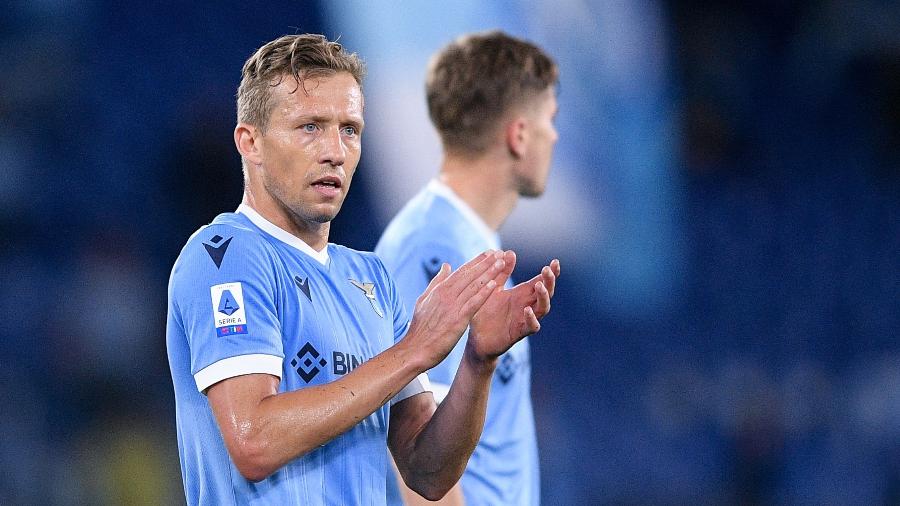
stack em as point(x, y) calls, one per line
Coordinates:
point(437, 456)
point(453, 498)
point(265, 434)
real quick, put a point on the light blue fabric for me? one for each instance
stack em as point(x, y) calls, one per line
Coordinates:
point(428, 231)
point(316, 319)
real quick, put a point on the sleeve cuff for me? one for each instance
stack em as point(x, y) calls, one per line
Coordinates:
point(416, 386)
point(439, 390)
point(238, 366)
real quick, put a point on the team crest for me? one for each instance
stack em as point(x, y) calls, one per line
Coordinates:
point(228, 309)
point(369, 291)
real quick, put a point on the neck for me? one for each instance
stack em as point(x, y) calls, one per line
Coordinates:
point(484, 183)
point(313, 233)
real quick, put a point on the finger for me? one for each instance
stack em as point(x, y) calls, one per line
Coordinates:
point(442, 275)
point(470, 271)
point(473, 261)
point(532, 324)
point(524, 291)
point(542, 306)
point(437, 279)
point(474, 264)
point(488, 275)
point(549, 279)
point(474, 303)
point(509, 258)
point(548, 274)
point(553, 269)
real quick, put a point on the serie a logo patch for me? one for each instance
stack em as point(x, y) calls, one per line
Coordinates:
point(228, 309)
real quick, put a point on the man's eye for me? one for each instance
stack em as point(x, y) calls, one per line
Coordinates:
point(349, 130)
point(309, 127)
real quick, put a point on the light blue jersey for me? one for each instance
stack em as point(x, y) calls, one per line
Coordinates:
point(436, 226)
point(247, 297)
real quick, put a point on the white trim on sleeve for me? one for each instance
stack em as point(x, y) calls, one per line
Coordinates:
point(418, 385)
point(440, 391)
point(230, 367)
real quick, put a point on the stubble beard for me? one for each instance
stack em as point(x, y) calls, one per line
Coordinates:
point(296, 209)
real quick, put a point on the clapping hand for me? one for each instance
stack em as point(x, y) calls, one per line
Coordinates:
point(449, 302)
point(509, 315)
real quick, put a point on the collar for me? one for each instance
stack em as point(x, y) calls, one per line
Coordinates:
point(283, 235)
point(440, 189)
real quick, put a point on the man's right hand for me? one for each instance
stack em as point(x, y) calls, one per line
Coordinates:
point(448, 304)
point(260, 424)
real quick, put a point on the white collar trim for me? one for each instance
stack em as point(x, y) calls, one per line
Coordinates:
point(283, 235)
point(490, 236)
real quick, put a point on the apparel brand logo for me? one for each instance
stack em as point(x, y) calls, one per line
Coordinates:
point(303, 285)
point(307, 362)
point(369, 291)
point(431, 267)
point(217, 253)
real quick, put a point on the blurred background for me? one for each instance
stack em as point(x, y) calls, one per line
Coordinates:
point(725, 200)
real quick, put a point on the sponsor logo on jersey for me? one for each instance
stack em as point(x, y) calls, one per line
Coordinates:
point(369, 291)
point(507, 368)
point(228, 309)
point(309, 362)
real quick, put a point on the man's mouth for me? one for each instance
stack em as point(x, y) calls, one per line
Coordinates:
point(328, 186)
point(328, 182)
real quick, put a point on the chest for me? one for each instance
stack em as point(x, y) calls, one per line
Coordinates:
point(333, 320)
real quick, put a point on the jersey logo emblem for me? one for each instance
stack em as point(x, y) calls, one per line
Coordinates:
point(227, 303)
point(369, 291)
point(303, 285)
point(217, 253)
point(228, 309)
point(432, 267)
point(507, 368)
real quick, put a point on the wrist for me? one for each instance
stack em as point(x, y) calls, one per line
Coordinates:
point(411, 355)
point(477, 361)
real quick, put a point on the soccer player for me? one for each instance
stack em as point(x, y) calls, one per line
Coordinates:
point(293, 359)
point(492, 99)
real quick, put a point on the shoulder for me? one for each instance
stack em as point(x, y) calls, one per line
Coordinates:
point(228, 244)
point(427, 250)
point(425, 214)
point(426, 230)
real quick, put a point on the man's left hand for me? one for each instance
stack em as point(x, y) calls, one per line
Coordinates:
point(510, 315)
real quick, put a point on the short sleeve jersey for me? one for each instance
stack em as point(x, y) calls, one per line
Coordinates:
point(247, 297)
point(436, 226)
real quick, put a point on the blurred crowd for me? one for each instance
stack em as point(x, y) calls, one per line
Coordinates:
point(770, 376)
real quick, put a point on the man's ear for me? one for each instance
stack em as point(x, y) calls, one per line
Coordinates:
point(246, 138)
point(517, 136)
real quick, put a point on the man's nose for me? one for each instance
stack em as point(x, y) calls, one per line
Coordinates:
point(333, 151)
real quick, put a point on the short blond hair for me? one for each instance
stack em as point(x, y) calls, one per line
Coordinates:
point(300, 56)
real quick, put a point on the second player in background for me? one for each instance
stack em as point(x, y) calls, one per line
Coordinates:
point(492, 99)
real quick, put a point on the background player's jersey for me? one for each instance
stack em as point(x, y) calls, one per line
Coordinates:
point(436, 227)
point(247, 297)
